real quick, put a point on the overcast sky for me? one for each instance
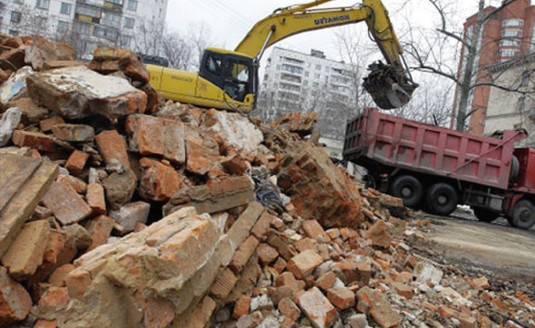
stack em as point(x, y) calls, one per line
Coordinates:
point(230, 20)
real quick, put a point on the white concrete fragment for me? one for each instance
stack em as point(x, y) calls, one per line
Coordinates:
point(425, 272)
point(130, 214)
point(236, 129)
point(9, 121)
point(15, 86)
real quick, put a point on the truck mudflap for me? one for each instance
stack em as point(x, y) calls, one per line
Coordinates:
point(388, 85)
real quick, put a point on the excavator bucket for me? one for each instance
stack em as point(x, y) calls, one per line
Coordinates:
point(388, 85)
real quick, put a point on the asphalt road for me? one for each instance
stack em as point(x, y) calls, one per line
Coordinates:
point(496, 247)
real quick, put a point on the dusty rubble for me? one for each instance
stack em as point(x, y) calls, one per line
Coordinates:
point(119, 210)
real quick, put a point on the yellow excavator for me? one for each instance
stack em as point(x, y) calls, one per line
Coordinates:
point(229, 79)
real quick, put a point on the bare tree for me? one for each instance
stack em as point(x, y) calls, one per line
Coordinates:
point(178, 51)
point(431, 53)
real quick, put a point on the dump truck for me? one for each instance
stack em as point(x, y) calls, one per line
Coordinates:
point(436, 168)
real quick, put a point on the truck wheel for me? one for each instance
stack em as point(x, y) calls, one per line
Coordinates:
point(485, 215)
point(523, 214)
point(409, 189)
point(442, 199)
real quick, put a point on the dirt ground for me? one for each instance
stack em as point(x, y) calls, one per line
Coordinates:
point(495, 249)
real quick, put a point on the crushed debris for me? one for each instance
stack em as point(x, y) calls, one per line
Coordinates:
point(120, 210)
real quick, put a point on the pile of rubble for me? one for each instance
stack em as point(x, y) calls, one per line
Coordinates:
point(120, 210)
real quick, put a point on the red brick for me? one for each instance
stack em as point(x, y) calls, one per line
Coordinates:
point(235, 165)
point(112, 147)
point(54, 299)
point(35, 140)
point(54, 247)
point(404, 277)
point(288, 279)
point(74, 132)
point(67, 205)
point(76, 162)
point(100, 229)
point(379, 234)
point(241, 307)
point(224, 284)
point(314, 230)
point(290, 310)
point(77, 282)
point(157, 136)
point(202, 153)
point(341, 297)
point(15, 302)
point(95, 198)
point(26, 253)
point(46, 324)
point(306, 243)
point(317, 308)
point(402, 289)
point(326, 281)
point(243, 253)
point(380, 309)
point(266, 253)
point(279, 265)
point(77, 184)
point(159, 181)
point(261, 228)
point(304, 263)
point(49, 123)
point(200, 317)
point(57, 278)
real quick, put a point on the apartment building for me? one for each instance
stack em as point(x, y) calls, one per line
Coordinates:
point(296, 81)
point(87, 24)
point(512, 110)
point(507, 35)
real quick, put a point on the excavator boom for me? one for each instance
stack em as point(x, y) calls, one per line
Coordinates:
point(389, 85)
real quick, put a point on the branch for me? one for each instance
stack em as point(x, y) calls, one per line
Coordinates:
point(497, 10)
point(492, 84)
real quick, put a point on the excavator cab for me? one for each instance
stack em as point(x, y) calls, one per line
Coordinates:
point(231, 72)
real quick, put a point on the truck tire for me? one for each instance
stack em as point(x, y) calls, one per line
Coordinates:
point(523, 214)
point(409, 189)
point(442, 198)
point(485, 215)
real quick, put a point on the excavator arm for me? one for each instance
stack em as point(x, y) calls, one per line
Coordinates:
point(390, 84)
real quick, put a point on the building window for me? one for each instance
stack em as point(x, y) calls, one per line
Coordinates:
point(509, 53)
point(15, 17)
point(117, 2)
point(513, 22)
point(63, 26)
point(13, 32)
point(42, 4)
point(129, 22)
point(81, 27)
point(316, 75)
point(318, 67)
point(510, 43)
point(125, 40)
point(521, 104)
point(132, 5)
point(65, 8)
point(511, 33)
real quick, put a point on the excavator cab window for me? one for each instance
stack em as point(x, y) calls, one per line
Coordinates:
point(236, 78)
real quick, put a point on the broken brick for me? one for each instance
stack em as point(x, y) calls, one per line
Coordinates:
point(243, 253)
point(151, 135)
point(314, 230)
point(341, 297)
point(73, 132)
point(67, 205)
point(112, 147)
point(26, 253)
point(76, 162)
point(131, 214)
point(241, 307)
point(47, 124)
point(100, 229)
point(15, 302)
point(95, 198)
point(266, 253)
point(35, 140)
point(224, 284)
point(159, 181)
point(304, 263)
point(317, 308)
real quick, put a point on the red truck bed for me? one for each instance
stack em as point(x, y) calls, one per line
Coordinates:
point(401, 143)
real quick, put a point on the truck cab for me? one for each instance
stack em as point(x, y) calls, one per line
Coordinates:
point(226, 79)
